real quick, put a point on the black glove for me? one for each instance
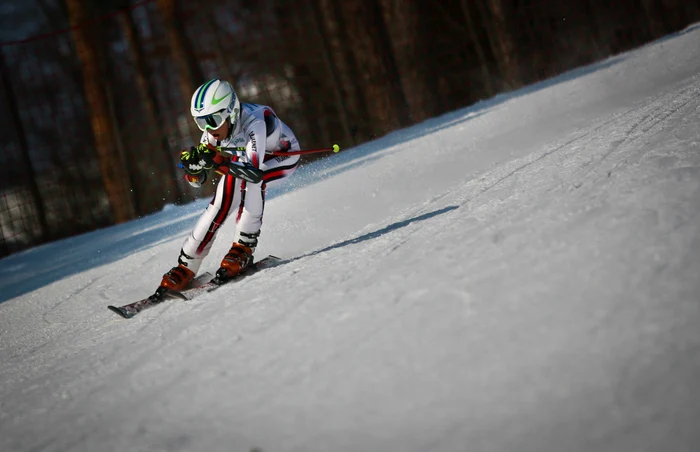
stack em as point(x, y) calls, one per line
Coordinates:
point(196, 160)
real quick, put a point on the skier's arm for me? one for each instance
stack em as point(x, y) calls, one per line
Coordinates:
point(248, 168)
point(255, 149)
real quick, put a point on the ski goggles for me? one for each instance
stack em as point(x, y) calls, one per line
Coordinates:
point(212, 121)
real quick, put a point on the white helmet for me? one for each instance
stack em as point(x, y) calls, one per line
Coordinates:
point(212, 103)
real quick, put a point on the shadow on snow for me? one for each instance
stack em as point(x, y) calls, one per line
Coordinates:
point(373, 235)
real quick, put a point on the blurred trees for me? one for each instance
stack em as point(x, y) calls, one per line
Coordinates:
point(189, 74)
point(104, 137)
point(153, 117)
point(500, 29)
point(104, 104)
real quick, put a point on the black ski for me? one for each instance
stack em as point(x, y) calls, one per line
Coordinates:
point(203, 283)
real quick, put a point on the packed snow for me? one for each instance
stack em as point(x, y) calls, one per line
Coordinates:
point(520, 275)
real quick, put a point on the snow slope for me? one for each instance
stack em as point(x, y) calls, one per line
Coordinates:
point(520, 275)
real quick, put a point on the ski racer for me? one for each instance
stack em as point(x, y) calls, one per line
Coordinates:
point(250, 130)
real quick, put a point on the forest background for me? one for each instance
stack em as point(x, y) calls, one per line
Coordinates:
point(94, 96)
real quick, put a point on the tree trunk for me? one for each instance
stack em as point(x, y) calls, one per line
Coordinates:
point(312, 11)
point(166, 169)
point(410, 42)
point(376, 68)
point(189, 74)
point(484, 67)
point(501, 41)
point(386, 58)
point(336, 35)
point(112, 168)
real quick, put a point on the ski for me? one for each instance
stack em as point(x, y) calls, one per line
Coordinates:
point(161, 294)
point(202, 284)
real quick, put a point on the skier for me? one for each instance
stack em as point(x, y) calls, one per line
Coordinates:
point(253, 129)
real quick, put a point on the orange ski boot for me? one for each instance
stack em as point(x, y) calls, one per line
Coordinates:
point(236, 260)
point(178, 278)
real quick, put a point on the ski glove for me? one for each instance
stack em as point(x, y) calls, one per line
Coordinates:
point(197, 160)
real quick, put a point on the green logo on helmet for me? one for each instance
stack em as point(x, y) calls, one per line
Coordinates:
point(215, 101)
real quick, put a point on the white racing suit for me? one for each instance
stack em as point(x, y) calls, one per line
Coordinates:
point(258, 130)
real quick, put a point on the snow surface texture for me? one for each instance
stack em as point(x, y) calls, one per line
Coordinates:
point(520, 275)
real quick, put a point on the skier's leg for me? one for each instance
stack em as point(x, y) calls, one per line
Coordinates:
point(250, 214)
point(276, 170)
point(197, 245)
point(199, 242)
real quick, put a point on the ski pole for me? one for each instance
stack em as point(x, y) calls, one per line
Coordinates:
point(335, 149)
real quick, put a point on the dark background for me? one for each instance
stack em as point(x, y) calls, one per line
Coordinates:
point(94, 99)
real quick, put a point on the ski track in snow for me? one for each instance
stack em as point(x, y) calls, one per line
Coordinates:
point(520, 275)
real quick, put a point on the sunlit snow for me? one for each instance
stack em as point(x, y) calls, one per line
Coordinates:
point(520, 275)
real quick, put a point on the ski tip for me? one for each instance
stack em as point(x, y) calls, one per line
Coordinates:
point(120, 311)
point(267, 261)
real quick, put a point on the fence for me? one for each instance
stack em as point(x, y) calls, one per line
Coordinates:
point(94, 114)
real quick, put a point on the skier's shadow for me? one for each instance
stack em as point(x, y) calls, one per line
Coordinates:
point(375, 234)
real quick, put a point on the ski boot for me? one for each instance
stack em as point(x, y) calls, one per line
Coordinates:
point(178, 278)
point(236, 260)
